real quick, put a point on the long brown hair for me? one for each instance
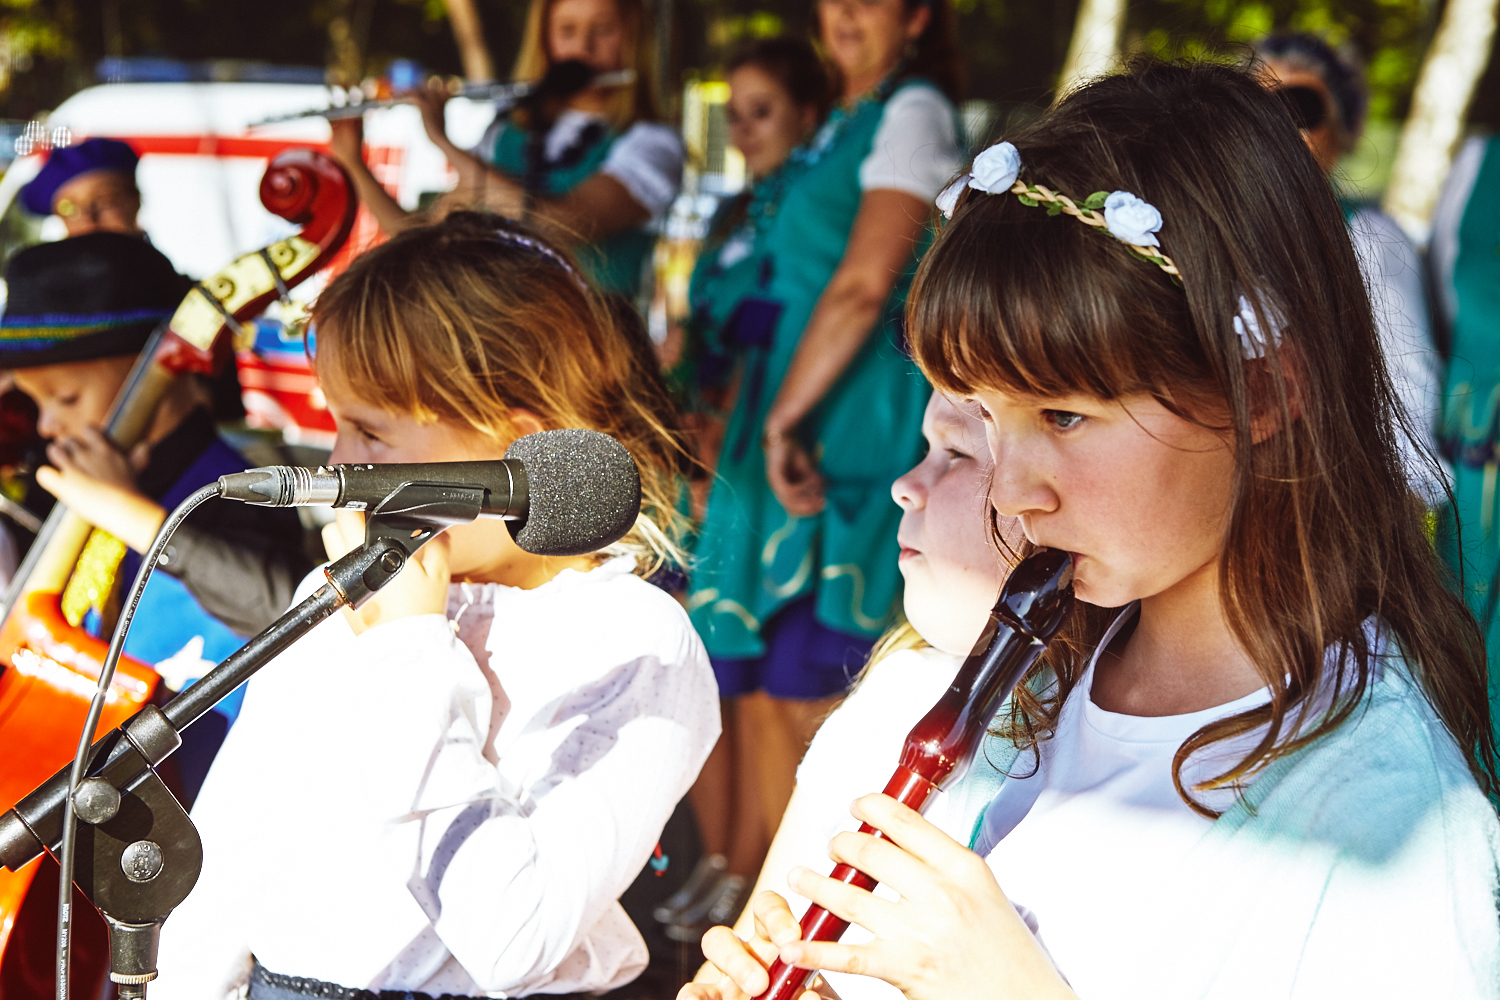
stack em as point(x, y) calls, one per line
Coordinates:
point(1323, 532)
point(629, 104)
point(471, 318)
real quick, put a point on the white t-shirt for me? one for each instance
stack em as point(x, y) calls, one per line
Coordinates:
point(916, 144)
point(855, 753)
point(1118, 877)
point(450, 804)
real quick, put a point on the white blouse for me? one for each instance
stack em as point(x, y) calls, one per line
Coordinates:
point(450, 804)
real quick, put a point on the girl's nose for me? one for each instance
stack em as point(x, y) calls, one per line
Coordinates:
point(48, 426)
point(909, 492)
point(1017, 486)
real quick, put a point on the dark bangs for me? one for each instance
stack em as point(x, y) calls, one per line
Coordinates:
point(1010, 298)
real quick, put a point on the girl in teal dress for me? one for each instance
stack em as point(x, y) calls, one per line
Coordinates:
point(778, 94)
point(604, 168)
point(795, 567)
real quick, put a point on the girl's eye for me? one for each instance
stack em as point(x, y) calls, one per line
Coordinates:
point(1063, 419)
point(954, 455)
point(365, 433)
point(67, 400)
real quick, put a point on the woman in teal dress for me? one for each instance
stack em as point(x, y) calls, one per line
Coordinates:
point(594, 174)
point(795, 569)
point(778, 94)
point(1465, 253)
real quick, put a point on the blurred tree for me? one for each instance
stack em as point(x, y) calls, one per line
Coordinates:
point(49, 48)
point(1389, 36)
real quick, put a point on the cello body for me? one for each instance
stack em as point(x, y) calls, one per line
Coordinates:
point(49, 668)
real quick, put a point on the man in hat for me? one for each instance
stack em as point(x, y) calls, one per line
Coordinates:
point(79, 313)
point(91, 186)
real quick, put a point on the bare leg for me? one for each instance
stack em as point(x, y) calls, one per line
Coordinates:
point(712, 795)
point(787, 729)
point(748, 841)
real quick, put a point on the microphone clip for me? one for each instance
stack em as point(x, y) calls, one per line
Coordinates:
point(414, 513)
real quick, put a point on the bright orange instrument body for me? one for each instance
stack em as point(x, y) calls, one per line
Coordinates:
point(49, 669)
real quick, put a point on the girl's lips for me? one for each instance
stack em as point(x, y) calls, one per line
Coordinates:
point(907, 553)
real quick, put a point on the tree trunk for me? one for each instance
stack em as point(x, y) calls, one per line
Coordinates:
point(1450, 72)
point(1096, 42)
point(469, 34)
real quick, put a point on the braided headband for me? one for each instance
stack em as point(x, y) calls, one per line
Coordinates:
point(1125, 217)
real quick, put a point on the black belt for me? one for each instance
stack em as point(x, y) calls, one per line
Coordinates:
point(268, 985)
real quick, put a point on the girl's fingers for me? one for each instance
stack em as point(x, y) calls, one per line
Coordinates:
point(50, 480)
point(60, 453)
point(773, 918)
point(912, 833)
point(844, 901)
point(734, 958)
point(830, 956)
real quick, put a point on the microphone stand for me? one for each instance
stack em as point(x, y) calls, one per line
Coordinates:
point(138, 853)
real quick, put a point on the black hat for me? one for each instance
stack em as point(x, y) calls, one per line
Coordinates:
point(94, 296)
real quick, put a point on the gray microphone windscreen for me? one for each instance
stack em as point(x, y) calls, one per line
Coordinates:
point(584, 491)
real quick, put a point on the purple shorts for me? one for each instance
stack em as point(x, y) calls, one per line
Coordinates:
point(804, 659)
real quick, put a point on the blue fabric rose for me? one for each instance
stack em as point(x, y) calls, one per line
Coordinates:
point(996, 169)
point(1131, 220)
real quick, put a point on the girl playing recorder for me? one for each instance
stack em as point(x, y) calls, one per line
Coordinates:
point(1258, 762)
point(953, 573)
point(464, 775)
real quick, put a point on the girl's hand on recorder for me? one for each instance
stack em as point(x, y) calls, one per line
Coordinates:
point(951, 936)
point(421, 588)
point(737, 969)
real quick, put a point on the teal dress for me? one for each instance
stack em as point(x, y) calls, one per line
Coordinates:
point(1470, 433)
point(731, 316)
point(830, 582)
point(617, 264)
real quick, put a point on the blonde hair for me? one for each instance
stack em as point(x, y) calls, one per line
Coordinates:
point(470, 319)
point(629, 104)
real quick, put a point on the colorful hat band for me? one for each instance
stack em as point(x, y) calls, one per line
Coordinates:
point(52, 328)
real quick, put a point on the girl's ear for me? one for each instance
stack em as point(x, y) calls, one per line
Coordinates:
point(525, 422)
point(1275, 402)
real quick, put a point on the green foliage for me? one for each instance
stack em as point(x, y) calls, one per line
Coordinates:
point(1391, 36)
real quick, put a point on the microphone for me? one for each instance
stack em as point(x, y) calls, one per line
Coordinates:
point(566, 492)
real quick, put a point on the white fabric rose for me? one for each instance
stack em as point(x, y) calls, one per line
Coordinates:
point(1131, 220)
point(996, 169)
point(947, 199)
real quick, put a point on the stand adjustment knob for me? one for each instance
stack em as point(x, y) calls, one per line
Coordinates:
point(96, 801)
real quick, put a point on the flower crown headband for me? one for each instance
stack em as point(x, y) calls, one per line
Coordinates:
point(1125, 217)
